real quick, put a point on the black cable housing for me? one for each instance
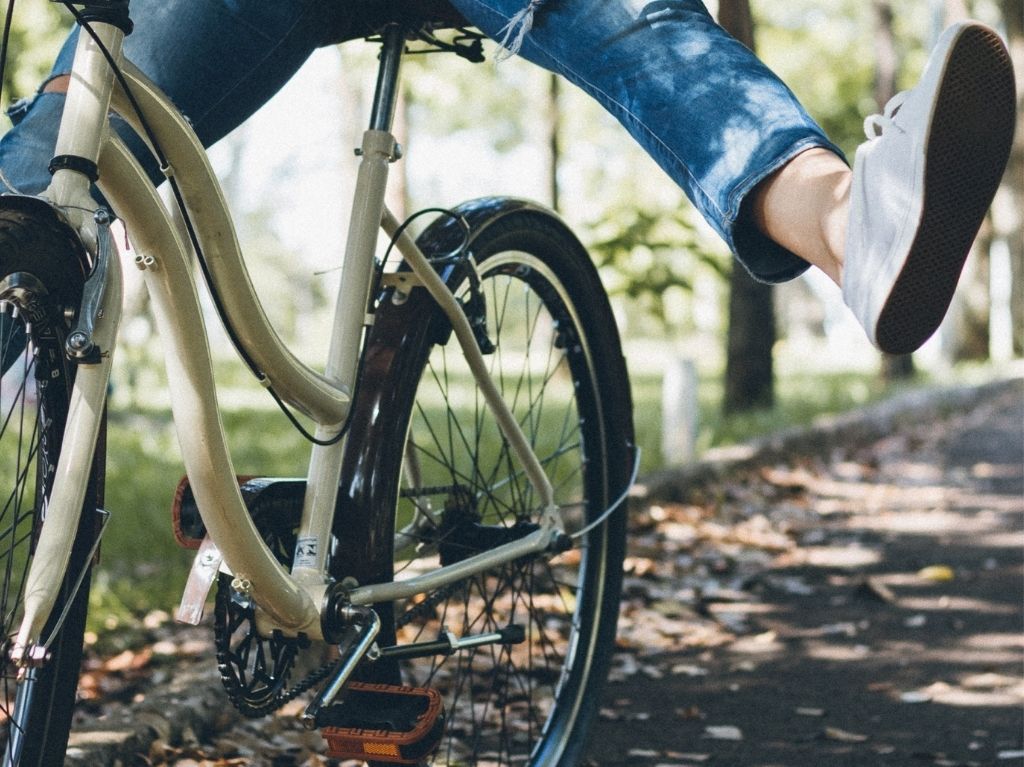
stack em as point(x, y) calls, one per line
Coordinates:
point(3, 44)
point(113, 12)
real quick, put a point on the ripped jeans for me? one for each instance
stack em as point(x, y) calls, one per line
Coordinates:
point(708, 112)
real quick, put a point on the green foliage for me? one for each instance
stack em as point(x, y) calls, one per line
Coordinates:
point(450, 96)
point(825, 53)
point(642, 254)
point(37, 31)
point(801, 397)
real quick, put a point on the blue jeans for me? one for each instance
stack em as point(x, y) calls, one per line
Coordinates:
point(712, 116)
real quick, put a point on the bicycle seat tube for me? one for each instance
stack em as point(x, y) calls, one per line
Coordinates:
point(377, 152)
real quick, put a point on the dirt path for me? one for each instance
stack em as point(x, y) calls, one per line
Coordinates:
point(862, 606)
point(870, 614)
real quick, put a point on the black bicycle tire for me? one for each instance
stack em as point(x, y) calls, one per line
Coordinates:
point(396, 353)
point(40, 246)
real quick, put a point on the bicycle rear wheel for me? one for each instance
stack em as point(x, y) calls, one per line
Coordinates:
point(41, 277)
point(428, 462)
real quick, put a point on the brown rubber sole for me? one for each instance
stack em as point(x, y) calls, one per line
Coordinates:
point(968, 147)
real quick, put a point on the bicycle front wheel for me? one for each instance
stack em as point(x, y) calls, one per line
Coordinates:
point(435, 473)
point(41, 276)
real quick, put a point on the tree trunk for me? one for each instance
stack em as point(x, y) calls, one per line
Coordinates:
point(554, 145)
point(967, 336)
point(1008, 210)
point(749, 373)
point(887, 63)
point(749, 376)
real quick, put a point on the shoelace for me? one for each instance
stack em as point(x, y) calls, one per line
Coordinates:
point(877, 124)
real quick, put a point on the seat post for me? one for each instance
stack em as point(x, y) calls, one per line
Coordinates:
point(386, 94)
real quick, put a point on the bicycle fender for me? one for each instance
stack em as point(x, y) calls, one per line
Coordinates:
point(447, 234)
point(40, 211)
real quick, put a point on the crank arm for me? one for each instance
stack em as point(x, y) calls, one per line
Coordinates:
point(367, 625)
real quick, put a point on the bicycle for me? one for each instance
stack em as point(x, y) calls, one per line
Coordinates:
point(459, 537)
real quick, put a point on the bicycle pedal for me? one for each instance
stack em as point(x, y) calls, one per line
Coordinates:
point(383, 723)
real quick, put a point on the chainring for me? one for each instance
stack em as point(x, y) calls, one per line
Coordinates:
point(255, 669)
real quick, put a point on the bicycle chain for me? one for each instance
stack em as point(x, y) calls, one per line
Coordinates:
point(420, 610)
point(225, 655)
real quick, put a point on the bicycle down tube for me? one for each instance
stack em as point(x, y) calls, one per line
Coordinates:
point(291, 602)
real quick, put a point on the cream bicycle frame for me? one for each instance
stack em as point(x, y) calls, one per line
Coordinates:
point(291, 602)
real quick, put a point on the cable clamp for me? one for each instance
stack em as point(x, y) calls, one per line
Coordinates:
point(73, 162)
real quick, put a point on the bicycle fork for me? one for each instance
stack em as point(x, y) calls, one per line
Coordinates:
point(90, 344)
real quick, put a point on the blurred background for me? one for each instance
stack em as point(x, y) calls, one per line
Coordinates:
point(714, 357)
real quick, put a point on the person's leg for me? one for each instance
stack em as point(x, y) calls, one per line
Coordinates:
point(804, 206)
point(894, 233)
point(712, 115)
point(218, 61)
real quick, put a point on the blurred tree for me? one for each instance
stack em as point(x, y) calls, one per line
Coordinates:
point(824, 53)
point(554, 128)
point(887, 64)
point(643, 253)
point(37, 31)
point(749, 374)
point(1008, 211)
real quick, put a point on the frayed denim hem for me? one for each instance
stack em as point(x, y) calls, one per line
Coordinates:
point(762, 257)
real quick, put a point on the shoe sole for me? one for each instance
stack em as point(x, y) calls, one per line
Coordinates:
point(967, 149)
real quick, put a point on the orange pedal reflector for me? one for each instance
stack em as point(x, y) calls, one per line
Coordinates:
point(383, 723)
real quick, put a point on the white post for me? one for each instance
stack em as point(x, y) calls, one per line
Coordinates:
point(1000, 318)
point(679, 412)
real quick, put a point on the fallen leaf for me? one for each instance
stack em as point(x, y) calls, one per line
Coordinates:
point(643, 753)
point(843, 736)
point(936, 573)
point(688, 757)
point(846, 629)
point(872, 588)
point(689, 670)
point(988, 680)
point(129, 660)
point(915, 696)
point(690, 712)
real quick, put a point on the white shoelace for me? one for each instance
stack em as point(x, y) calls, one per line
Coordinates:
point(877, 124)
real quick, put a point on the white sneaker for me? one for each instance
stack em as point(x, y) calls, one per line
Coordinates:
point(922, 184)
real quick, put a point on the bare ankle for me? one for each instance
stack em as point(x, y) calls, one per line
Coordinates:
point(58, 84)
point(804, 207)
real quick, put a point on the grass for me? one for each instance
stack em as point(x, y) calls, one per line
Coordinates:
point(143, 568)
point(800, 399)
